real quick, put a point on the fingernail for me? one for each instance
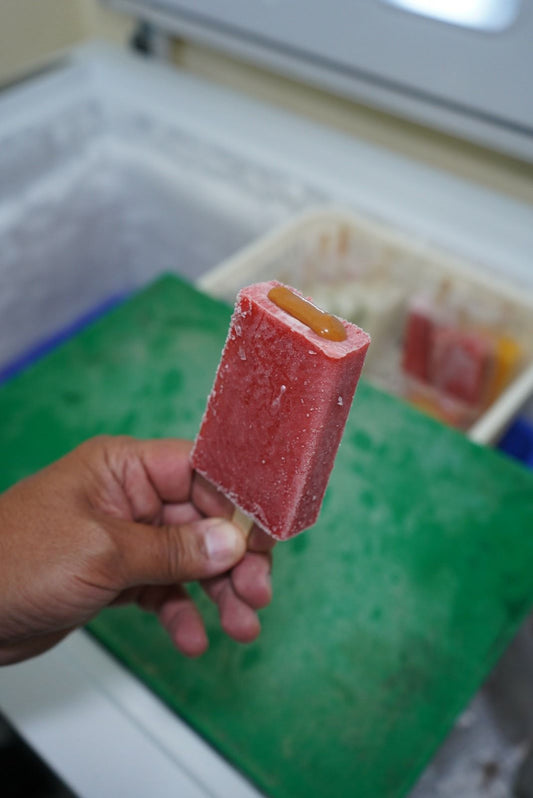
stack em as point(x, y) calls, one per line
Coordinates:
point(222, 541)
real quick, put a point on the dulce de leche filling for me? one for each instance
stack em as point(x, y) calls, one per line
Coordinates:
point(322, 323)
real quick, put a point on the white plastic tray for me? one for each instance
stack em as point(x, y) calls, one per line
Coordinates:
point(308, 253)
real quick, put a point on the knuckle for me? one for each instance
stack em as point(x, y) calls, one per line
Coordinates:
point(180, 551)
point(105, 443)
point(96, 442)
point(104, 553)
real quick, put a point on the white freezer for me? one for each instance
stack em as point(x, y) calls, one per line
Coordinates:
point(189, 173)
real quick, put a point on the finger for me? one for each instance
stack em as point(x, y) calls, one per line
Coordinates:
point(180, 617)
point(208, 499)
point(163, 464)
point(185, 626)
point(251, 579)
point(177, 614)
point(237, 618)
point(172, 553)
point(176, 611)
point(180, 513)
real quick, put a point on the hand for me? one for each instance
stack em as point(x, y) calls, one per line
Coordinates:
point(119, 520)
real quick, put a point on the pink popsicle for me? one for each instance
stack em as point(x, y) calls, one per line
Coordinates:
point(419, 332)
point(461, 363)
point(276, 413)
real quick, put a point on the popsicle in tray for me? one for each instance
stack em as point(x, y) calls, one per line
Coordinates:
point(461, 363)
point(459, 352)
point(419, 330)
point(278, 407)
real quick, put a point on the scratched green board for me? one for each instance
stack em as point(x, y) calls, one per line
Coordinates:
point(386, 617)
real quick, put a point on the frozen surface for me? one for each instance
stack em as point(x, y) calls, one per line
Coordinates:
point(97, 203)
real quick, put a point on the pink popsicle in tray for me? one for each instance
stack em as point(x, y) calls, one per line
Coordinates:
point(276, 413)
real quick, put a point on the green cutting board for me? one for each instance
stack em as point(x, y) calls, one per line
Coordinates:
point(386, 617)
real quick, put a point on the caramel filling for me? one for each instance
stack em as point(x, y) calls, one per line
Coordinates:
point(324, 324)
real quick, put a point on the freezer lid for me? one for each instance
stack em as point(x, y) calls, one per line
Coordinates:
point(466, 74)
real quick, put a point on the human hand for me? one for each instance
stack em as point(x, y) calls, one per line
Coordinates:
point(120, 520)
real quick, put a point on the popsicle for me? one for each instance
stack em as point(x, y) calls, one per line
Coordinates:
point(275, 416)
point(419, 330)
point(461, 364)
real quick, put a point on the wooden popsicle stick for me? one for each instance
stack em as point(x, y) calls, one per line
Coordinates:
point(242, 520)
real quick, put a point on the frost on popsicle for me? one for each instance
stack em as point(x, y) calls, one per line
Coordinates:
point(279, 404)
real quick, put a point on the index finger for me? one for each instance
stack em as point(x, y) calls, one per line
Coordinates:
point(166, 465)
point(208, 499)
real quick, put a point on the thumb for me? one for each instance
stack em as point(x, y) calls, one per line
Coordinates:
point(176, 553)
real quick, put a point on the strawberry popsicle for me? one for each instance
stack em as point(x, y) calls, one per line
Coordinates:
point(461, 364)
point(276, 413)
point(419, 331)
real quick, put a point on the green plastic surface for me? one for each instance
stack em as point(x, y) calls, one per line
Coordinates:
point(386, 616)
